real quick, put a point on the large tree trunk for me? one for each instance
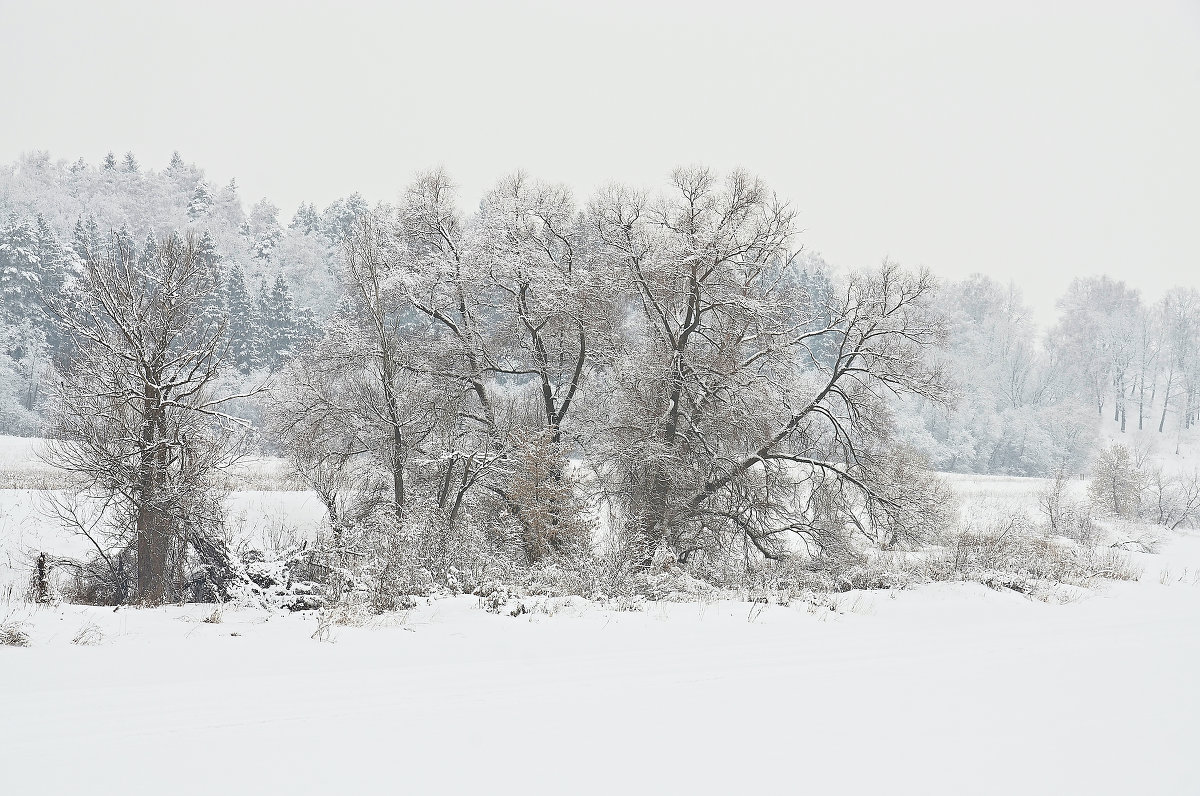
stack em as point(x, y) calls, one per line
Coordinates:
point(153, 539)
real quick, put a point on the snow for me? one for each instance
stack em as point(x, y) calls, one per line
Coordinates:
point(947, 688)
point(950, 688)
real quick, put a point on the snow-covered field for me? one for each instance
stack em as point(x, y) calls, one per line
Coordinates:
point(946, 688)
point(942, 689)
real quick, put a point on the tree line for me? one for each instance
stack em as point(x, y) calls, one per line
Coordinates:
point(669, 372)
point(1033, 401)
point(499, 385)
point(277, 282)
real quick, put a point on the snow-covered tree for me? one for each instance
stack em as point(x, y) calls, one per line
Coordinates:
point(726, 427)
point(201, 203)
point(262, 229)
point(139, 418)
point(244, 328)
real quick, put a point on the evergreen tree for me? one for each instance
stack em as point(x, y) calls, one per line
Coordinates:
point(176, 161)
point(130, 164)
point(242, 331)
point(54, 265)
point(307, 327)
point(245, 322)
point(149, 250)
point(110, 162)
point(340, 216)
point(227, 212)
point(214, 310)
point(86, 237)
point(206, 250)
point(201, 203)
point(279, 324)
point(262, 227)
point(32, 267)
point(20, 271)
point(306, 219)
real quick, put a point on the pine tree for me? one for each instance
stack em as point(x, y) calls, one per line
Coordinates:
point(176, 161)
point(149, 249)
point(130, 164)
point(261, 356)
point(227, 212)
point(279, 324)
point(110, 162)
point(201, 203)
point(54, 260)
point(242, 333)
point(86, 237)
point(307, 327)
point(817, 290)
point(20, 270)
point(340, 216)
point(262, 227)
point(206, 250)
point(214, 309)
point(306, 219)
point(54, 264)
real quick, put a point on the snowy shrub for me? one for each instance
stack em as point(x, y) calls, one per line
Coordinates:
point(1002, 554)
point(1022, 562)
point(797, 577)
point(1116, 483)
point(1064, 515)
point(268, 575)
point(635, 602)
point(553, 581)
point(1111, 564)
point(671, 585)
point(1013, 551)
point(324, 631)
point(89, 635)
point(805, 579)
point(99, 580)
point(493, 596)
point(880, 573)
point(543, 499)
point(13, 634)
point(42, 586)
point(1172, 501)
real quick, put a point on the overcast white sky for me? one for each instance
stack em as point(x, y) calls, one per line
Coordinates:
point(1031, 141)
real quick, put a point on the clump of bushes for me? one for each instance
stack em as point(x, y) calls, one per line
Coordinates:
point(13, 634)
point(1124, 486)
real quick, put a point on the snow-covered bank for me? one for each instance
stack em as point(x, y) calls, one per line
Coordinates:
point(949, 688)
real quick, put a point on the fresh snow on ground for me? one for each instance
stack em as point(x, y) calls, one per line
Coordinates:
point(946, 688)
point(949, 688)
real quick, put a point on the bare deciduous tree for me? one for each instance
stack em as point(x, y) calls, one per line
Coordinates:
point(741, 401)
point(139, 414)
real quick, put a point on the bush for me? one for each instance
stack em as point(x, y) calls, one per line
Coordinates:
point(1065, 516)
point(1116, 483)
point(13, 634)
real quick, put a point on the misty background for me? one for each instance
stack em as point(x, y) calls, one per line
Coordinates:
point(1027, 141)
